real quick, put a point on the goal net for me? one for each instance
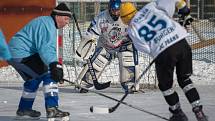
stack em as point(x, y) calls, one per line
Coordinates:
point(85, 12)
point(202, 40)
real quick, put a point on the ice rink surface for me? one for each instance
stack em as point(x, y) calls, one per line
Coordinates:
point(79, 104)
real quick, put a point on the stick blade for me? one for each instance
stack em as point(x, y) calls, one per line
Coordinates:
point(101, 86)
point(99, 110)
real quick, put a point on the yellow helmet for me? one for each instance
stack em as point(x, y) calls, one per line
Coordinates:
point(127, 12)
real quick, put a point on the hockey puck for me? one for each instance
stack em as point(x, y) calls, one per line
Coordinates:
point(91, 109)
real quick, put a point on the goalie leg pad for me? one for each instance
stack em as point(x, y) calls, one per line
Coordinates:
point(100, 60)
point(137, 74)
point(126, 58)
point(126, 66)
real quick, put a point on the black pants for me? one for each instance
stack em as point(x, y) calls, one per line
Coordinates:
point(178, 56)
point(34, 71)
point(29, 67)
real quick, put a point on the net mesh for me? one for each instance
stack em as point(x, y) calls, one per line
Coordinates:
point(202, 40)
point(202, 37)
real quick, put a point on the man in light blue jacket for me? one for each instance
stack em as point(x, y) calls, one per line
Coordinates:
point(4, 51)
point(34, 57)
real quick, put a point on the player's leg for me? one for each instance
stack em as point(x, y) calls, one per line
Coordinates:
point(100, 59)
point(184, 71)
point(164, 65)
point(27, 99)
point(30, 72)
point(128, 67)
point(50, 89)
point(54, 113)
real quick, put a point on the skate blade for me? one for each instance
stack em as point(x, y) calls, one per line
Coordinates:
point(26, 118)
point(66, 118)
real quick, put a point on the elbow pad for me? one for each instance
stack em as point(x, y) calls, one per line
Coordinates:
point(184, 14)
point(184, 11)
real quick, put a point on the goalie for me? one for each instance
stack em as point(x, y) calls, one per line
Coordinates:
point(112, 42)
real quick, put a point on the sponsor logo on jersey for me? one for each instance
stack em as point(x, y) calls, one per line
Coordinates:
point(115, 35)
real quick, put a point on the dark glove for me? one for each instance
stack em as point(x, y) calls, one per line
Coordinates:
point(56, 70)
point(186, 20)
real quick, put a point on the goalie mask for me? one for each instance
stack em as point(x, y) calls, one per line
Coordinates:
point(114, 9)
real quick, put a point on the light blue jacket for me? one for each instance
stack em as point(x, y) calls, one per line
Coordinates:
point(4, 51)
point(38, 36)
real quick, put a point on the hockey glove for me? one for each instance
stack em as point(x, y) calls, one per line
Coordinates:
point(56, 70)
point(186, 20)
point(86, 48)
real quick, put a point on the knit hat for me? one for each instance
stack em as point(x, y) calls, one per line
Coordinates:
point(62, 10)
point(127, 12)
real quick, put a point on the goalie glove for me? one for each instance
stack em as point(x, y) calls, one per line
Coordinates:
point(86, 48)
point(186, 20)
point(56, 70)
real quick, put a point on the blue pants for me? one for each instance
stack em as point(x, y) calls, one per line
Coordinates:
point(34, 71)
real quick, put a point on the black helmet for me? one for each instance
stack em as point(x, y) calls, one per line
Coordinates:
point(114, 5)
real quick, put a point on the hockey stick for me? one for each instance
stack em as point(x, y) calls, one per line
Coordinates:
point(202, 41)
point(196, 31)
point(119, 101)
point(112, 109)
point(97, 85)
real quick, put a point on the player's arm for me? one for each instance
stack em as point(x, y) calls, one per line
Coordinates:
point(88, 43)
point(184, 13)
point(94, 28)
point(182, 8)
point(4, 51)
point(46, 46)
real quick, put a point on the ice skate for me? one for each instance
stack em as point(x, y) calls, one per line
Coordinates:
point(54, 114)
point(200, 116)
point(27, 115)
point(126, 87)
point(86, 85)
point(179, 116)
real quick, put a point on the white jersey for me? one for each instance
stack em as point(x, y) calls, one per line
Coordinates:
point(109, 33)
point(153, 30)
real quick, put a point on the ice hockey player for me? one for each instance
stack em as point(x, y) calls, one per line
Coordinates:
point(153, 31)
point(110, 34)
point(34, 57)
point(4, 51)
